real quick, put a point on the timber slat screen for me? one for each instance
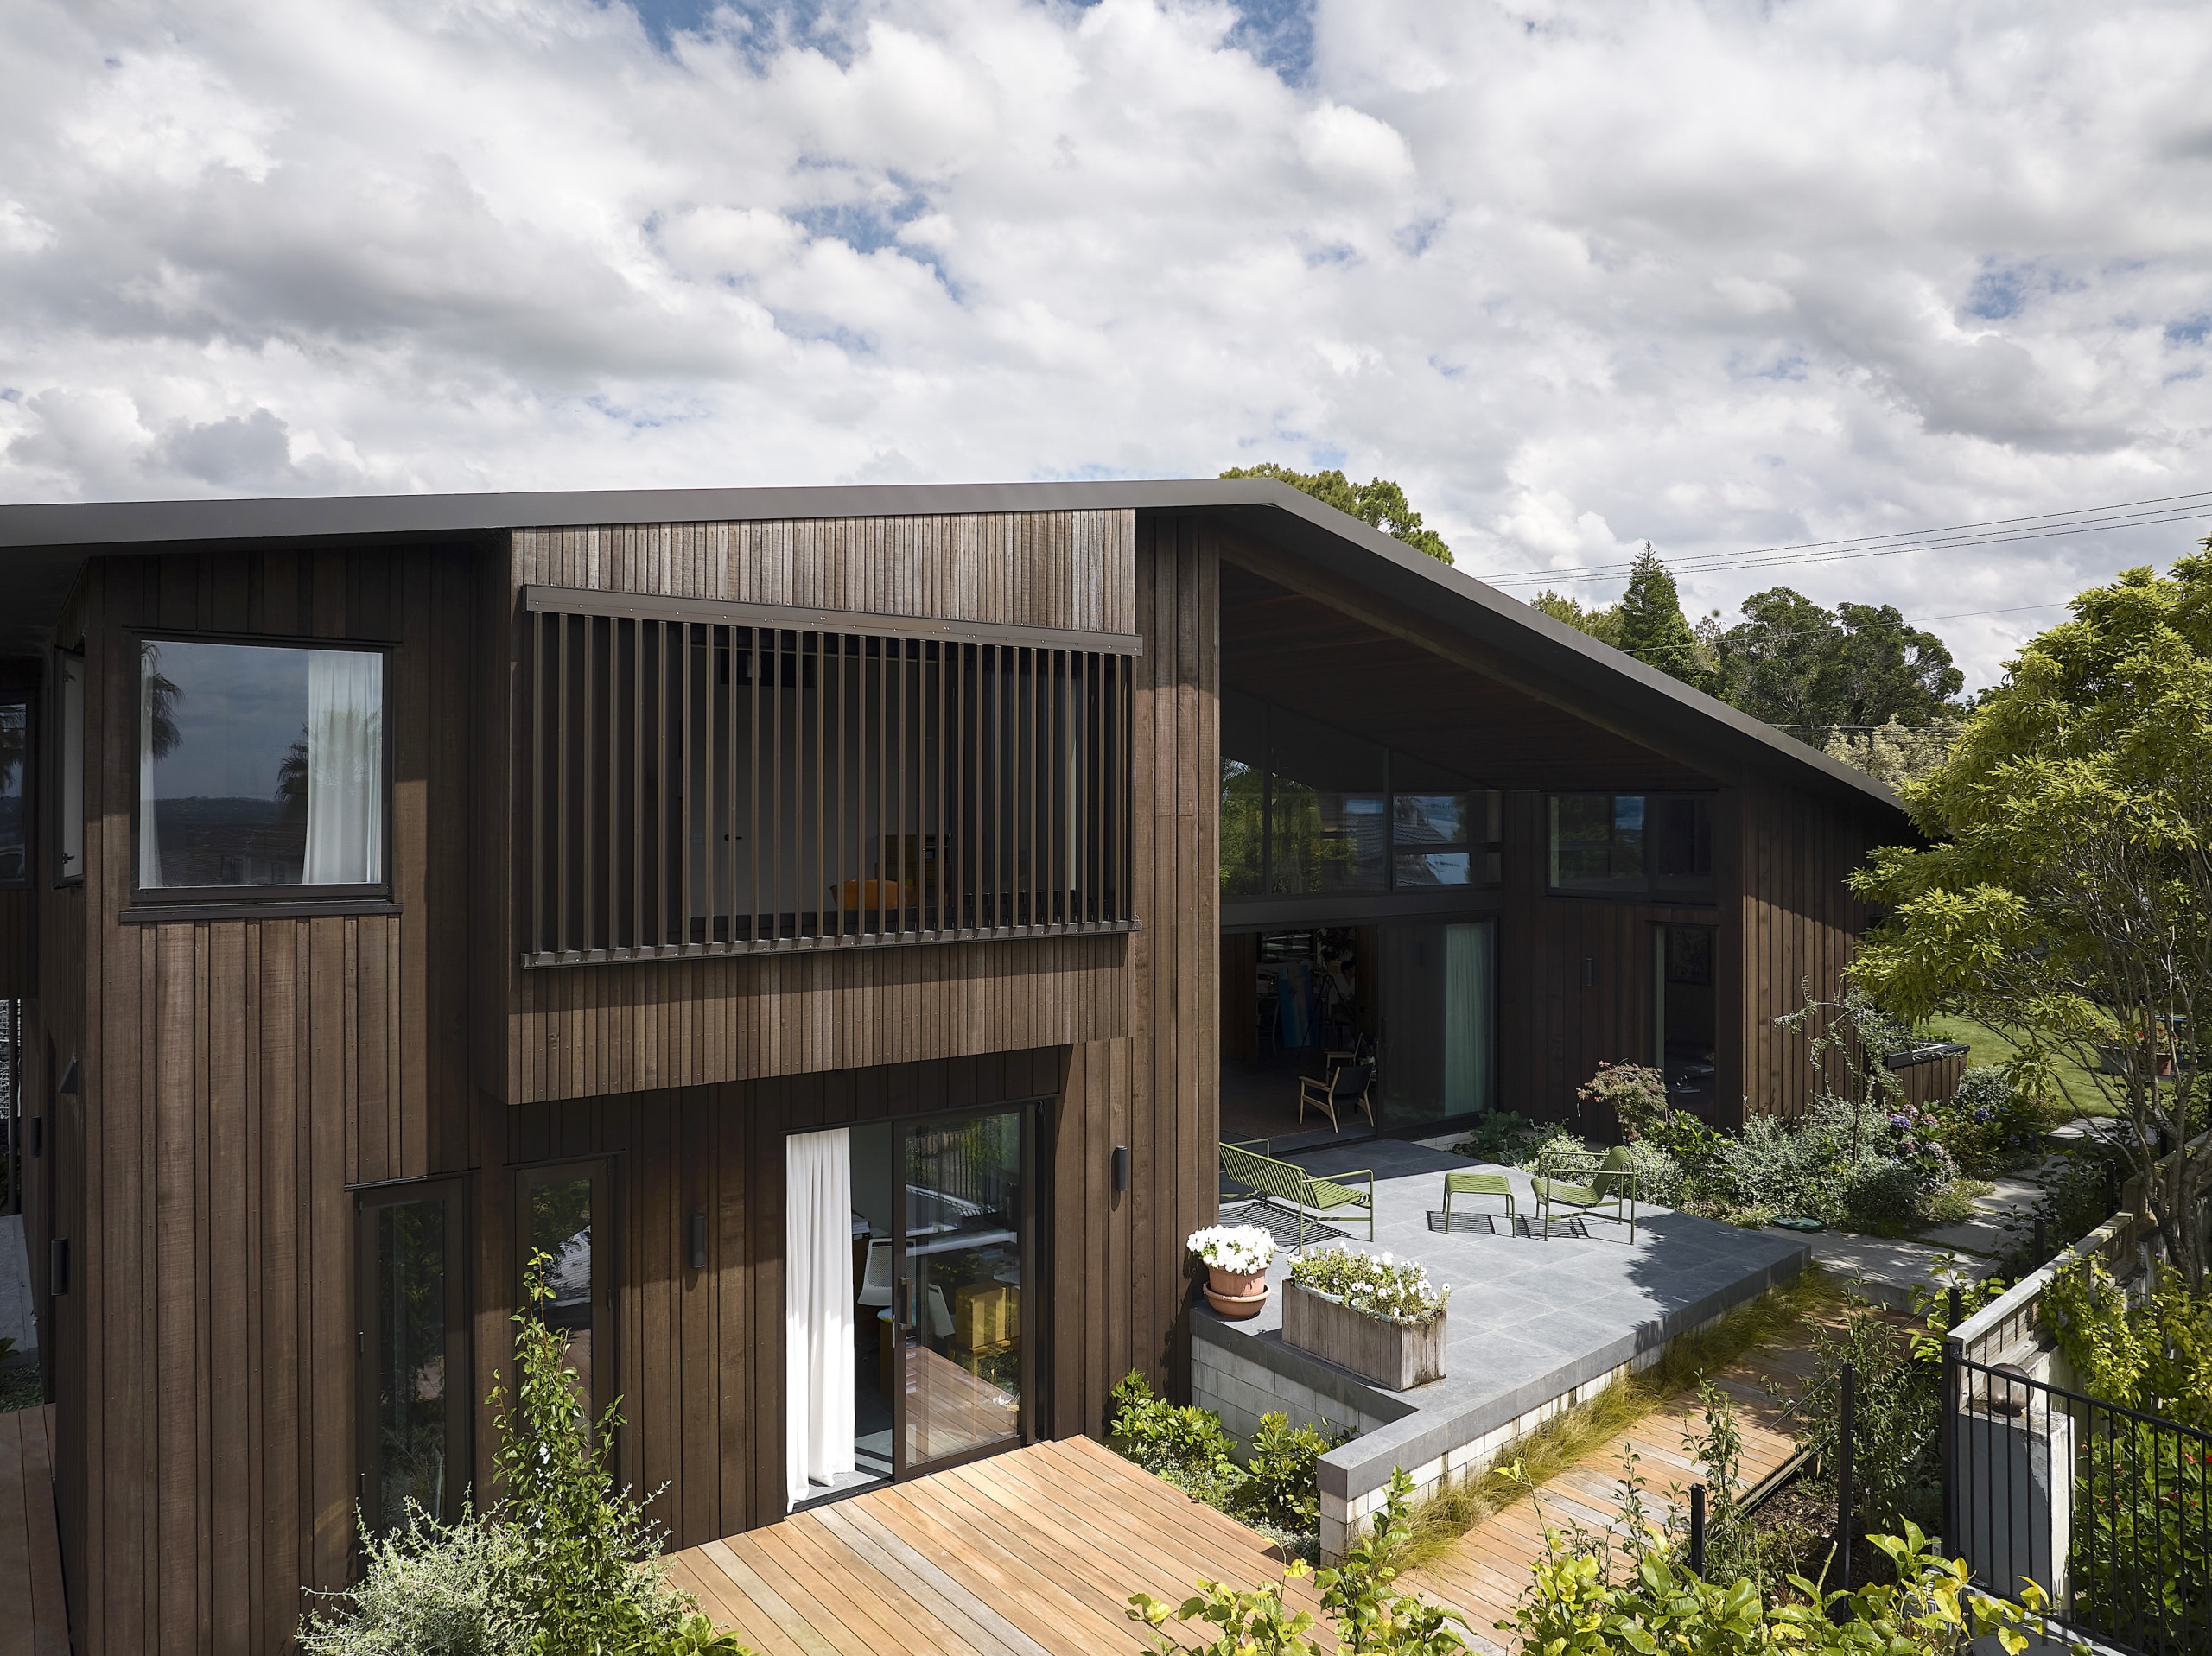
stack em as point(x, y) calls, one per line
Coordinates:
point(701, 785)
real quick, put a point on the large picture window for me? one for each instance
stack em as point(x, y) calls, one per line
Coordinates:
point(1633, 845)
point(1308, 810)
point(69, 769)
point(259, 765)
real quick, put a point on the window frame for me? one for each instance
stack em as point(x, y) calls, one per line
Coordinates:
point(167, 902)
point(606, 1311)
point(1646, 889)
point(1483, 855)
point(28, 700)
point(452, 1189)
point(65, 755)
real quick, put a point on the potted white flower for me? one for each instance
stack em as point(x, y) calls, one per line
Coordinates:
point(1367, 1312)
point(1237, 1258)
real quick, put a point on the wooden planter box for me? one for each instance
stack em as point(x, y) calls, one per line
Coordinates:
point(1394, 1355)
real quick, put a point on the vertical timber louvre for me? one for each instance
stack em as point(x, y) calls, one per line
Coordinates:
point(707, 786)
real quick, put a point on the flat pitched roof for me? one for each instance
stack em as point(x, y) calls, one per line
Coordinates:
point(41, 547)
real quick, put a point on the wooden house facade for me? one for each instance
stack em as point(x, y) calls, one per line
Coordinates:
point(412, 887)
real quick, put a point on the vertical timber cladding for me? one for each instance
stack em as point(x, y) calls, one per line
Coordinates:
point(720, 1012)
point(1120, 1257)
point(1801, 924)
point(235, 1076)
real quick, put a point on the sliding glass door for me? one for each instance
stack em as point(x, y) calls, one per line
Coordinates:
point(1435, 1043)
point(960, 1260)
point(910, 1247)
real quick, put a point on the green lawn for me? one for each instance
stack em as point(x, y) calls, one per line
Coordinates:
point(1988, 1046)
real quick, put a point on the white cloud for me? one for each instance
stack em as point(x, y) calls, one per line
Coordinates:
point(1717, 275)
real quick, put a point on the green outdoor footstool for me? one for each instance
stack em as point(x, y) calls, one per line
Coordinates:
point(1475, 1184)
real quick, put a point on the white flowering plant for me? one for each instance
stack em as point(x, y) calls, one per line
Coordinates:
point(1244, 1249)
point(1375, 1284)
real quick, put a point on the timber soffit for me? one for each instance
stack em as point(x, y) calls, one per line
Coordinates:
point(43, 545)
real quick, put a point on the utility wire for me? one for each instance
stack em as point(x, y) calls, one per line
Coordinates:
point(2123, 514)
point(1815, 632)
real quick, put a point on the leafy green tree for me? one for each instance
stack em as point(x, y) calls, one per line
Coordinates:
point(2065, 895)
point(1602, 622)
point(1896, 753)
point(1652, 627)
point(1796, 665)
point(1378, 503)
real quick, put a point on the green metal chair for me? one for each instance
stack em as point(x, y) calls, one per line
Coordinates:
point(1566, 1179)
point(1475, 1184)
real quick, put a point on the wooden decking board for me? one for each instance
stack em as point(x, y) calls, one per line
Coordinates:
point(975, 1623)
point(1503, 1549)
point(1033, 1552)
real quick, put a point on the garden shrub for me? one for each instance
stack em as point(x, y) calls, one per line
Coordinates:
point(1897, 1449)
point(1558, 1144)
point(1635, 1093)
point(1276, 1491)
point(552, 1569)
point(1658, 1176)
point(1502, 1136)
point(1574, 1611)
point(1365, 1612)
point(1988, 1121)
point(1281, 1489)
point(1185, 1445)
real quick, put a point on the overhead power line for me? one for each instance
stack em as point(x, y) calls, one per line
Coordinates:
point(1999, 531)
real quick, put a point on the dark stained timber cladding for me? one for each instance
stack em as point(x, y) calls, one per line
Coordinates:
point(773, 788)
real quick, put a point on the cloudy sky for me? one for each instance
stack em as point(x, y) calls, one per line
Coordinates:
point(1720, 275)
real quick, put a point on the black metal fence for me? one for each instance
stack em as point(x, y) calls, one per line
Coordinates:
point(2107, 1509)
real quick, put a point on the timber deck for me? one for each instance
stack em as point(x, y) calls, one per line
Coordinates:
point(33, 1618)
point(1033, 1552)
point(1484, 1573)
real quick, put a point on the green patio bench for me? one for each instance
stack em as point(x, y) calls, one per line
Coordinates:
point(1307, 1194)
point(1578, 1180)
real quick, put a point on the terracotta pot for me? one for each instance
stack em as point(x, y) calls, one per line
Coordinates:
point(1238, 1307)
point(1236, 1285)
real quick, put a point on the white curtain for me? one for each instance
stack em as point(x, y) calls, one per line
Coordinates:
point(818, 1309)
point(149, 839)
point(345, 767)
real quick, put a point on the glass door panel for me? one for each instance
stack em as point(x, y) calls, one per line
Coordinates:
point(413, 1415)
point(557, 1210)
point(961, 1250)
point(1434, 1055)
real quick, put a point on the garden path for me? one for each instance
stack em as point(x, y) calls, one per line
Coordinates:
point(1483, 1572)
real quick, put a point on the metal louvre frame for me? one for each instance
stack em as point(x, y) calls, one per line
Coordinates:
point(701, 787)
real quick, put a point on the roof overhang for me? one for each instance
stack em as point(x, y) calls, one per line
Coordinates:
point(42, 548)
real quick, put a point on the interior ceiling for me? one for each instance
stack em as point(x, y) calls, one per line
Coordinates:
point(1300, 653)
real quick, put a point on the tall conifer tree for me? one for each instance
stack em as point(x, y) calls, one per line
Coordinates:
point(1652, 627)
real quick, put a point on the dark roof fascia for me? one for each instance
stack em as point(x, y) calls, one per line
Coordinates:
point(1567, 664)
point(1571, 665)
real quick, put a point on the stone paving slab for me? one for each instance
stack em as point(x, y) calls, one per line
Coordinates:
point(1529, 1319)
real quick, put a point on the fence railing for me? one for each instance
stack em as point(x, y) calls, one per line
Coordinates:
point(2109, 1509)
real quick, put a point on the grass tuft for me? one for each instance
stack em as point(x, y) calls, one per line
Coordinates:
point(1561, 1442)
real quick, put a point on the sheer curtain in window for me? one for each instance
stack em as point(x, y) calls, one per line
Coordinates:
point(155, 721)
point(818, 1310)
point(345, 768)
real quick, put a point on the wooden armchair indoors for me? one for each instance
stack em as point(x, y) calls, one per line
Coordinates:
point(1578, 1179)
point(1346, 1089)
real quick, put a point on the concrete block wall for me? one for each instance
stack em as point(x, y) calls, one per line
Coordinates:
point(1235, 1385)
